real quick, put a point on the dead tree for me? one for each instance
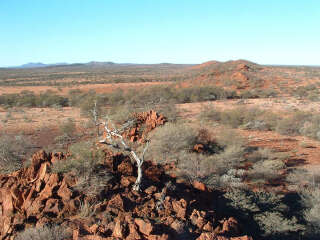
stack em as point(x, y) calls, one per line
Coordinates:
point(95, 115)
point(112, 133)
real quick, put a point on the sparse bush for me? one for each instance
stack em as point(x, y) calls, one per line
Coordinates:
point(168, 110)
point(311, 202)
point(266, 209)
point(44, 232)
point(209, 113)
point(85, 163)
point(68, 127)
point(300, 178)
point(267, 170)
point(93, 183)
point(83, 158)
point(68, 133)
point(86, 210)
point(13, 150)
point(248, 118)
point(121, 113)
point(275, 225)
point(170, 140)
point(291, 125)
point(29, 99)
point(266, 165)
point(194, 166)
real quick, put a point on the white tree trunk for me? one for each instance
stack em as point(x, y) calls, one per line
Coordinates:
point(139, 161)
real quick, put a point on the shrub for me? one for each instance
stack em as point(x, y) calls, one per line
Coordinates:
point(68, 127)
point(194, 166)
point(248, 118)
point(291, 125)
point(85, 163)
point(209, 113)
point(68, 132)
point(170, 140)
point(83, 158)
point(275, 224)
point(44, 232)
point(267, 170)
point(266, 209)
point(121, 114)
point(311, 202)
point(86, 210)
point(13, 150)
point(298, 178)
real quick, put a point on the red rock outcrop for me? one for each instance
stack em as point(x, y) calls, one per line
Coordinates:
point(35, 196)
point(145, 122)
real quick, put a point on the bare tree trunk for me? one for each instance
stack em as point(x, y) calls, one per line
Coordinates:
point(139, 161)
point(95, 116)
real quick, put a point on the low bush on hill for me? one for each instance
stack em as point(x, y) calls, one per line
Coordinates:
point(268, 213)
point(85, 163)
point(44, 232)
point(136, 97)
point(13, 150)
point(29, 99)
point(295, 123)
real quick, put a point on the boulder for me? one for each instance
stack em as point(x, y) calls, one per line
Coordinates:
point(230, 226)
point(145, 227)
point(180, 207)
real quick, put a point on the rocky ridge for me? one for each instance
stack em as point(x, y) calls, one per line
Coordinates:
point(166, 208)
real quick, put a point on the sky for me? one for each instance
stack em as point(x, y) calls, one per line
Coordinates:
point(157, 31)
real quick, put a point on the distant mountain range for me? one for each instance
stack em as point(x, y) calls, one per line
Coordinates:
point(41, 65)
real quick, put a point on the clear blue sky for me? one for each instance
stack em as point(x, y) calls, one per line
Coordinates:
point(154, 31)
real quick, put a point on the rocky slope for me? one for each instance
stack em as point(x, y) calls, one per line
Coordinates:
point(166, 208)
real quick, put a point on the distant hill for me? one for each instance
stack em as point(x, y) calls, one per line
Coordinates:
point(42, 65)
point(92, 64)
point(243, 75)
point(38, 65)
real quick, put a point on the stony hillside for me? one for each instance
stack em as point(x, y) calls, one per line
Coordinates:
point(245, 75)
point(167, 207)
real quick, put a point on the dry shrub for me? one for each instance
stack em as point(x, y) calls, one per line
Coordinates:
point(85, 163)
point(248, 118)
point(121, 113)
point(275, 224)
point(13, 150)
point(298, 178)
point(209, 113)
point(311, 202)
point(267, 210)
point(266, 165)
point(68, 127)
point(44, 232)
point(267, 170)
point(170, 140)
point(292, 124)
point(229, 137)
point(194, 166)
point(86, 210)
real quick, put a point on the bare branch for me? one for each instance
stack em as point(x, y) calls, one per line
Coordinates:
point(114, 132)
point(95, 116)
